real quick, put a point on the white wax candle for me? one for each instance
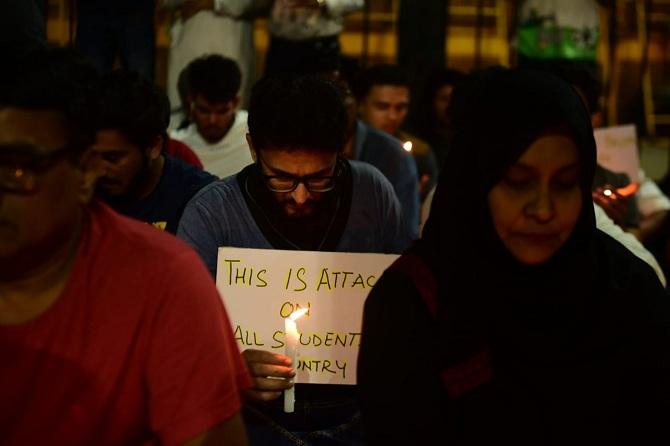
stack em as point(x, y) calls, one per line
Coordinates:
point(292, 338)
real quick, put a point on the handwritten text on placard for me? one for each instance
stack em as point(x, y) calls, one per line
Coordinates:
point(260, 288)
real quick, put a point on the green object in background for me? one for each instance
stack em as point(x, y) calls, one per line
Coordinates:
point(554, 42)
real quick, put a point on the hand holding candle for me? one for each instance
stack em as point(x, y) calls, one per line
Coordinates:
point(292, 342)
point(271, 373)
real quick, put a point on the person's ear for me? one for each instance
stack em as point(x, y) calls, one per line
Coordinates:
point(156, 147)
point(92, 168)
point(251, 147)
point(236, 102)
point(190, 109)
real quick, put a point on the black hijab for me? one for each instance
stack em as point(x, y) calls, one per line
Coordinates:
point(547, 311)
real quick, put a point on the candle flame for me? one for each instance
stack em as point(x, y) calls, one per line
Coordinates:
point(607, 192)
point(297, 314)
point(407, 145)
point(628, 190)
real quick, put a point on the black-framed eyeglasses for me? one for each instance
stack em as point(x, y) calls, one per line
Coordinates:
point(285, 183)
point(21, 165)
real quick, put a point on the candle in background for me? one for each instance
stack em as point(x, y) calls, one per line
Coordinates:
point(407, 145)
point(292, 341)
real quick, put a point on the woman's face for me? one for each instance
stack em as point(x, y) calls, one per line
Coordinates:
point(537, 203)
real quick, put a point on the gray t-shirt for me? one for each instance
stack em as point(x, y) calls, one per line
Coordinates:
point(219, 216)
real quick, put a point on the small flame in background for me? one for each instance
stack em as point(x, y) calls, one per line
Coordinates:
point(407, 145)
point(607, 192)
point(297, 314)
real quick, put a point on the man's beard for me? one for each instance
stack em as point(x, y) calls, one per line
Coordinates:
point(130, 195)
point(307, 210)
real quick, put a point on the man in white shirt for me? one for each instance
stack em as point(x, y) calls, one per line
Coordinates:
point(217, 133)
point(201, 27)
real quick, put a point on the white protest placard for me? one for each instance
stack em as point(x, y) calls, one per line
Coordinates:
point(261, 287)
point(617, 150)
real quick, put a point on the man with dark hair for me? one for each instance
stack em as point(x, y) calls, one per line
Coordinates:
point(217, 129)
point(383, 94)
point(383, 151)
point(299, 195)
point(110, 331)
point(139, 179)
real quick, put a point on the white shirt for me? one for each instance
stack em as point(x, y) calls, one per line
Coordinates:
point(221, 31)
point(650, 198)
point(227, 156)
point(298, 23)
point(607, 225)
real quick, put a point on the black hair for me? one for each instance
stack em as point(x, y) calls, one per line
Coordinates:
point(215, 77)
point(582, 77)
point(423, 120)
point(183, 88)
point(133, 106)
point(306, 112)
point(440, 77)
point(383, 74)
point(55, 79)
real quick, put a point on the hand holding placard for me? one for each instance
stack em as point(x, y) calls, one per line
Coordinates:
point(261, 288)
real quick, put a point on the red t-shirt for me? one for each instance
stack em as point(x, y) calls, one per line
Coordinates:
point(138, 348)
point(178, 149)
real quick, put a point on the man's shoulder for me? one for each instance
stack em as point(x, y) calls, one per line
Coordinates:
point(236, 135)
point(363, 171)
point(380, 148)
point(225, 195)
point(181, 174)
point(366, 177)
point(121, 237)
point(379, 138)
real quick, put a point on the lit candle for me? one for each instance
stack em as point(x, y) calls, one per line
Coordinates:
point(292, 340)
point(407, 145)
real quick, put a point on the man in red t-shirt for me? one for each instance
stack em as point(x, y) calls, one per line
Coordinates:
point(110, 332)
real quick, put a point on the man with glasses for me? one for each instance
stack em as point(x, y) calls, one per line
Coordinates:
point(299, 195)
point(110, 332)
point(217, 129)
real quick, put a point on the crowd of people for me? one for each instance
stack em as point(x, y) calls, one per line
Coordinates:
point(533, 312)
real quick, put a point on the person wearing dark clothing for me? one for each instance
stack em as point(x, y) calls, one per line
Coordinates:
point(125, 28)
point(139, 179)
point(383, 93)
point(164, 206)
point(518, 322)
point(23, 26)
point(430, 118)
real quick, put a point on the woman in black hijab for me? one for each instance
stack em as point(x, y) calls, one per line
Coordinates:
point(514, 319)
